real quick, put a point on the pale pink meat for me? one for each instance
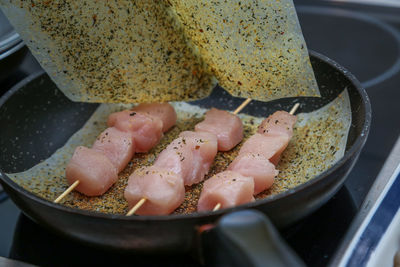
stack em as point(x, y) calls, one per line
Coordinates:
point(113, 118)
point(164, 111)
point(163, 190)
point(279, 123)
point(204, 148)
point(176, 157)
point(227, 188)
point(93, 169)
point(226, 126)
point(145, 129)
point(118, 146)
point(256, 166)
point(269, 146)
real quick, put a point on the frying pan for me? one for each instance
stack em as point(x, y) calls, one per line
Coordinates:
point(37, 119)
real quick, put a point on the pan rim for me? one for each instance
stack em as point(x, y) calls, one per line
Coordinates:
point(358, 143)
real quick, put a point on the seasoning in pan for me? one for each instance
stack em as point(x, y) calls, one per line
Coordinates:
point(319, 140)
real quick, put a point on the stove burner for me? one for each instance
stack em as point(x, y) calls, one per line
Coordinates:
point(366, 46)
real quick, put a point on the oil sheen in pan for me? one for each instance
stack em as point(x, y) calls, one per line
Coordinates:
point(319, 140)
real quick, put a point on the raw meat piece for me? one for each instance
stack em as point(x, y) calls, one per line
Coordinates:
point(176, 157)
point(269, 146)
point(227, 127)
point(163, 190)
point(256, 166)
point(93, 169)
point(118, 146)
point(204, 147)
point(145, 129)
point(164, 111)
point(227, 188)
point(279, 123)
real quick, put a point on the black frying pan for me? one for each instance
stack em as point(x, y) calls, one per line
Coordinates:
point(36, 101)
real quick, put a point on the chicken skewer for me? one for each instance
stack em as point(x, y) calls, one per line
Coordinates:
point(225, 143)
point(122, 121)
point(185, 161)
point(250, 186)
point(243, 191)
point(236, 111)
point(130, 131)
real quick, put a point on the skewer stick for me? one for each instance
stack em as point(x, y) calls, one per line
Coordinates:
point(242, 106)
point(143, 200)
point(291, 112)
point(136, 207)
point(217, 207)
point(66, 192)
point(294, 108)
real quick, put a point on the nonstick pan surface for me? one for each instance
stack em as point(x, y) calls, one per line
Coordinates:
point(35, 105)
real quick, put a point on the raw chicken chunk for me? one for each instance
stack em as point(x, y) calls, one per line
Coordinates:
point(118, 146)
point(279, 123)
point(204, 148)
point(227, 127)
point(163, 190)
point(164, 111)
point(177, 157)
point(145, 129)
point(227, 188)
point(93, 169)
point(256, 166)
point(269, 146)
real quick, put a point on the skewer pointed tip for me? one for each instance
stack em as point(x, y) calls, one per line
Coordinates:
point(242, 106)
point(217, 207)
point(136, 207)
point(294, 108)
point(66, 192)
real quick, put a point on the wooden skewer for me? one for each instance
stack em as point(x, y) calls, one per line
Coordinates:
point(217, 207)
point(143, 200)
point(66, 192)
point(291, 112)
point(136, 207)
point(242, 106)
point(294, 108)
point(247, 101)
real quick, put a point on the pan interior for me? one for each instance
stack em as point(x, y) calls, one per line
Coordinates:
point(46, 125)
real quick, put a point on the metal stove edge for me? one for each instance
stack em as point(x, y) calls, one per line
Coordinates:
point(363, 238)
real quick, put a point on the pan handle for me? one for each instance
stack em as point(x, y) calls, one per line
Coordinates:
point(246, 238)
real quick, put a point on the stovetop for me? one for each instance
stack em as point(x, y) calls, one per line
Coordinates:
point(363, 38)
